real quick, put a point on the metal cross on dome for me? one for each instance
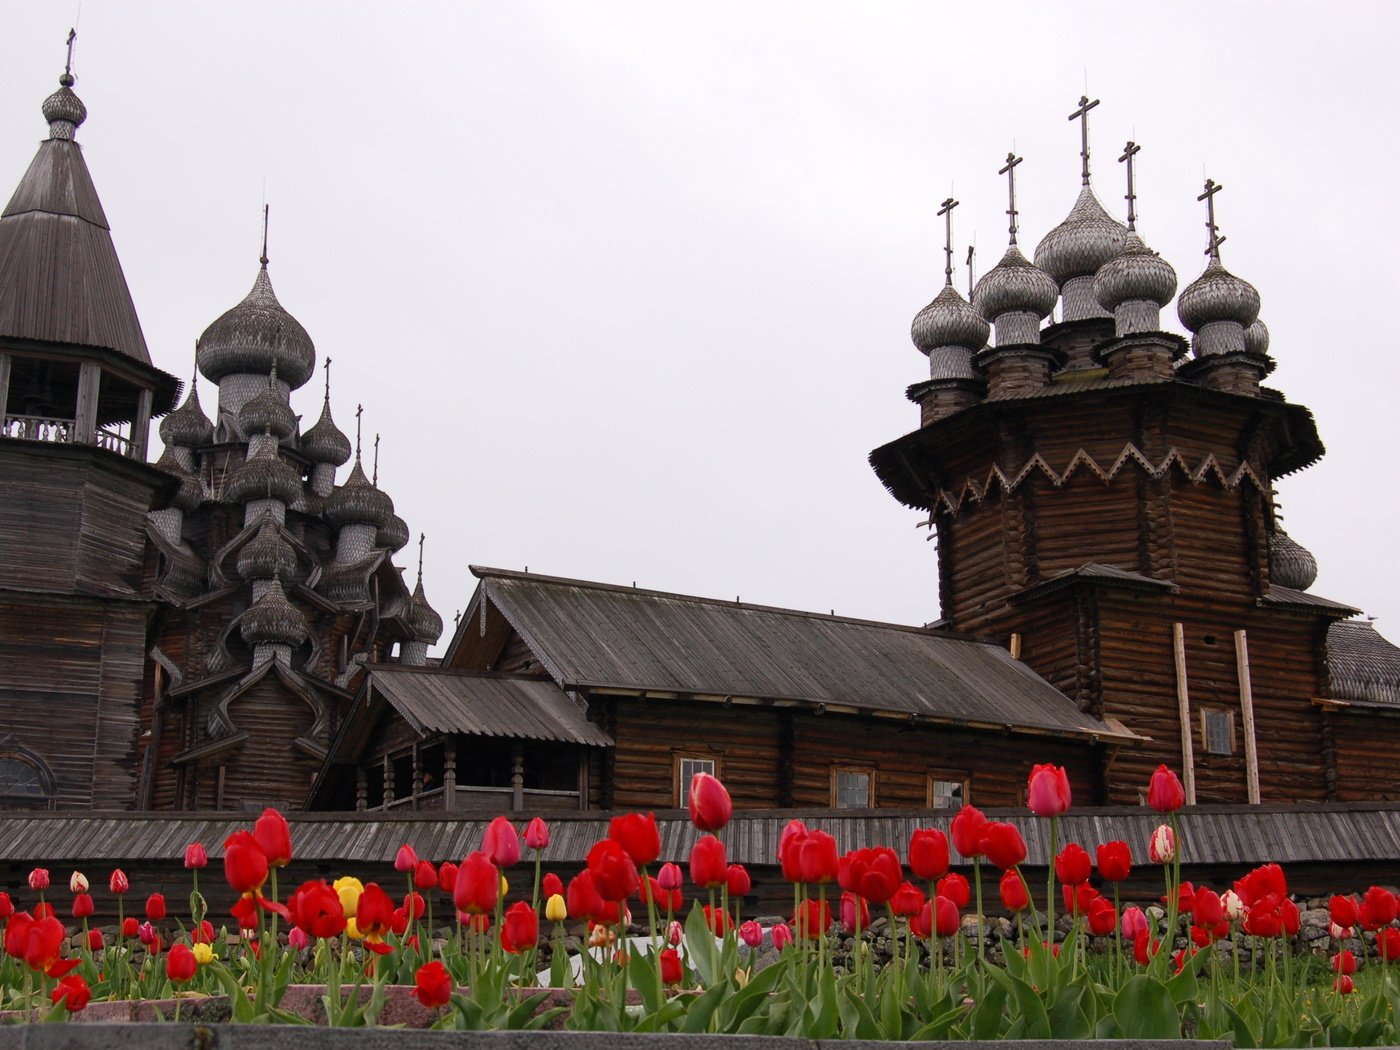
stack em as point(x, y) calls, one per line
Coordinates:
point(1131, 150)
point(1212, 188)
point(267, 208)
point(945, 211)
point(68, 66)
point(1082, 115)
point(1010, 172)
point(359, 411)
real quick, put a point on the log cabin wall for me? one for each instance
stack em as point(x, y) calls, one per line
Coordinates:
point(1365, 743)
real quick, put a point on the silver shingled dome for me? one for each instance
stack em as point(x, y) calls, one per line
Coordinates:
point(1088, 238)
point(1217, 295)
point(255, 337)
point(949, 321)
point(1014, 285)
point(1137, 272)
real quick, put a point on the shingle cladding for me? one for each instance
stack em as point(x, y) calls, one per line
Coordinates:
point(1363, 666)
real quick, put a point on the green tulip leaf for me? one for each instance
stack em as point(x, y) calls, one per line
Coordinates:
point(1144, 1010)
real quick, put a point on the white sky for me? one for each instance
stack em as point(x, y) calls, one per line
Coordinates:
point(627, 286)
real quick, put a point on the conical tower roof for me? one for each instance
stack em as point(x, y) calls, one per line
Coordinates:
point(60, 280)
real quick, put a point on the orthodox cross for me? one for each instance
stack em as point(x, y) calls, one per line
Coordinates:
point(327, 367)
point(1212, 188)
point(945, 212)
point(971, 257)
point(68, 66)
point(263, 258)
point(359, 411)
point(374, 478)
point(1010, 172)
point(1131, 150)
point(421, 537)
point(1082, 115)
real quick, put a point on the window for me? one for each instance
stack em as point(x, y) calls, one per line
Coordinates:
point(852, 789)
point(26, 782)
point(686, 767)
point(1218, 730)
point(947, 790)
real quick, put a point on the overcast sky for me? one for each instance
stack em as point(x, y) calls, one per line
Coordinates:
point(626, 287)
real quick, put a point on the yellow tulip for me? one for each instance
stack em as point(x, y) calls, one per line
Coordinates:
point(353, 931)
point(349, 888)
point(505, 887)
point(555, 910)
point(203, 954)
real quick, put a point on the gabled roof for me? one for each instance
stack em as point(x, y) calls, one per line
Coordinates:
point(1363, 666)
point(60, 280)
point(599, 636)
point(1305, 602)
point(1096, 574)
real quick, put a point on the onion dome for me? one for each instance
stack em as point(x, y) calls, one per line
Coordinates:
point(1088, 238)
point(265, 475)
point(187, 426)
point(1014, 285)
point(422, 618)
point(1290, 564)
point(64, 110)
point(1217, 295)
point(1135, 273)
point(949, 321)
point(393, 534)
point(190, 494)
point(357, 502)
point(273, 620)
point(266, 412)
point(267, 555)
point(324, 442)
point(1256, 339)
point(255, 337)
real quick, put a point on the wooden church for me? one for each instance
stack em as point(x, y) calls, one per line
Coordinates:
point(226, 628)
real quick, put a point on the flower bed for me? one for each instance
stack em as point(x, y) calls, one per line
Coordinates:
point(876, 947)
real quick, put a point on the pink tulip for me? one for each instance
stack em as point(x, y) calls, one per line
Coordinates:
point(751, 933)
point(537, 834)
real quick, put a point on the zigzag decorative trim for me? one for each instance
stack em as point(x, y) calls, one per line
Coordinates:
point(952, 501)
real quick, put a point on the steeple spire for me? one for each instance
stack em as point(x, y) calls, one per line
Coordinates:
point(1082, 115)
point(945, 212)
point(1010, 172)
point(1131, 150)
point(1213, 247)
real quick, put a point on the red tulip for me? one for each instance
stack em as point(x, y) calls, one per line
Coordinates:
point(708, 864)
point(44, 945)
point(7, 906)
point(374, 914)
point(670, 966)
point(39, 879)
point(537, 834)
point(195, 857)
point(709, 803)
point(274, 837)
point(1013, 892)
point(1134, 921)
point(638, 835)
point(317, 910)
point(669, 877)
point(1344, 911)
point(245, 863)
point(118, 883)
point(1003, 845)
point(180, 964)
point(928, 854)
point(718, 920)
point(1073, 865)
point(432, 985)
point(501, 843)
point(551, 885)
point(811, 920)
point(1078, 897)
point(790, 850)
point(447, 876)
point(82, 906)
point(966, 830)
point(907, 900)
point(520, 928)
point(1388, 943)
point(1267, 880)
point(738, 881)
point(1115, 861)
point(1101, 916)
point(817, 858)
point(43, 910)
point(73, 992)
point(424, 876)
point(1144, 947)
point(130, 926)
point(751, 933)
point(478, 884)
point(1344, 985)
point(1206, 909)
point(94, 940)
point(854, 907)
point(405, 860)
point(946, 921)
point(155, 907)
point(873, 873)
point(413, 906)
point(614, 874)
point(955, 887)
point(17, 934)
point(583, 899)
point(1047, 790)
point(1265, 917)
point(203, 933)
point(781, 936)
point(1378, 908)
point(1164, 792)
point(1344, 962)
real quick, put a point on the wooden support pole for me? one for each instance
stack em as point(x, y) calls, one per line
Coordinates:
point(449, 773)
point(1016, 645)
point(517, 776)
point(141, 426)
point(1183, 708)
point(85, 413)
point(361, 790)
point(1251, 749)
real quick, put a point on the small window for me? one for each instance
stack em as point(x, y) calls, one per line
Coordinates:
point(687, 766)
point(852, 789)
point(947, 791)
point(1218, 731)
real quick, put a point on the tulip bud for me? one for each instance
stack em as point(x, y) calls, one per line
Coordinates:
point(77, 883)
point(297, 939)
point(146, 932)
point(709, 803)
point(551, 885)
point(118, 882)
point(1134, 921)
point(1164, 792)
point(1339, 933)
point(94, 941)
point(1233, 906)
point(676, 933)
point(7, 906)
point(82, 906)
point(39, 879)
point(781, 935)
point(425, 877)
point(129, 926)
point(751, 933)
point(554, 909)
point(405, 860)
point(670, 877)
point(1162, 847)
point(537, 834)
point(195, 857)
point(155, 907)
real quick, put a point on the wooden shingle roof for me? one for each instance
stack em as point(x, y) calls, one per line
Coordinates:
point(603, 637)
point(1363, 666)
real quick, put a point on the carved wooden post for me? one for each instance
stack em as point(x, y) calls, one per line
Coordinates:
point(517, 776)
point(1251, 749)
point(85, 413)
point(141, 427)
point(388, 782)
point(1183, 705)
point(361, 789)
point(449, 773)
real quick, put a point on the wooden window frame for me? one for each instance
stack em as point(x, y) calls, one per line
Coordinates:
point(1206, 713)
point(867, 771)
point(682, 791)
point(947, 776)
